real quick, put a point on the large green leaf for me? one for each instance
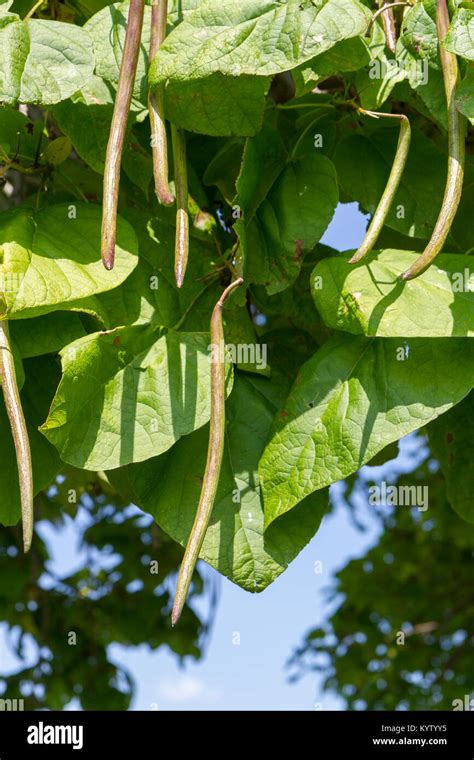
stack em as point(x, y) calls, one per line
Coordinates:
point(215, 63)
point(235, 544)
point(460, 37)
point(128, 394)
point(451, 437)
point(43, 61)
point(354, 397)
point(42, 376)
point(51, 258)
point(286, 206)
point(47, 334)
point(370, 299)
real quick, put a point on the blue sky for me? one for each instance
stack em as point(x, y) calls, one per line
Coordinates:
point(249, 675)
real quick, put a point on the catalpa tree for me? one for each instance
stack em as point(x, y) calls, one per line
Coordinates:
point(169, 317)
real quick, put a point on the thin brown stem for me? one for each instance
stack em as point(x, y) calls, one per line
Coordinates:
point(182, 215)
point(159, 143)
point(16, 417)
point(215, 453)
point(456, 152)
point(113, 158)
point(383, 11)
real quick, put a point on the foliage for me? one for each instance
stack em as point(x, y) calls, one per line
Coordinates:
point(271, 110)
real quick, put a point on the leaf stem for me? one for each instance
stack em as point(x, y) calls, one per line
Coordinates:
point(182, 218)
point(215, 453)
point(159, 15)
point(456, 152)
point(389, 29)
point(118, 127)
point(16, 417)
point(396, 173)
point(33, 10)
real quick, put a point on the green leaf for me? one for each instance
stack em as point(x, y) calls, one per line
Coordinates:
point(222, 48)
point(370, 299)
point(465, 95)
point(235, 544)
point(128, 394)
point(347, 55)
point(349, 401)
point(57, 151)
point(47, 334)
point(43, 61)
point(42, 376)
point(52, 257)
point(85, 119)
point(460, 36)
point(286, 207)
point(451, 442)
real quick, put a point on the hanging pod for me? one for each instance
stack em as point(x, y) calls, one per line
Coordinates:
point(215, 452)
point(456, 152)
point(159, 143)
point(113, 158)
point(11, 395)
point(385, 203)
point(182, 216)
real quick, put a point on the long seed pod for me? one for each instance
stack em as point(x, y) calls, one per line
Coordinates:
point(16, 417)
point(159, 143)
point(182, 216)
point(113, 158)
point(378, 219)
point(214, 456)
point(456, 152)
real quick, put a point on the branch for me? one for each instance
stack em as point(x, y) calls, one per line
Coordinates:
point(215, 453)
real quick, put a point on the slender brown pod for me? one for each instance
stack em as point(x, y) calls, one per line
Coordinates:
point(388, 23)
point(456, 152)
point(159, 143)
point(215, 453)
point(378, 219)
point(113, 158)
point(16, 417)
point(182, 216)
